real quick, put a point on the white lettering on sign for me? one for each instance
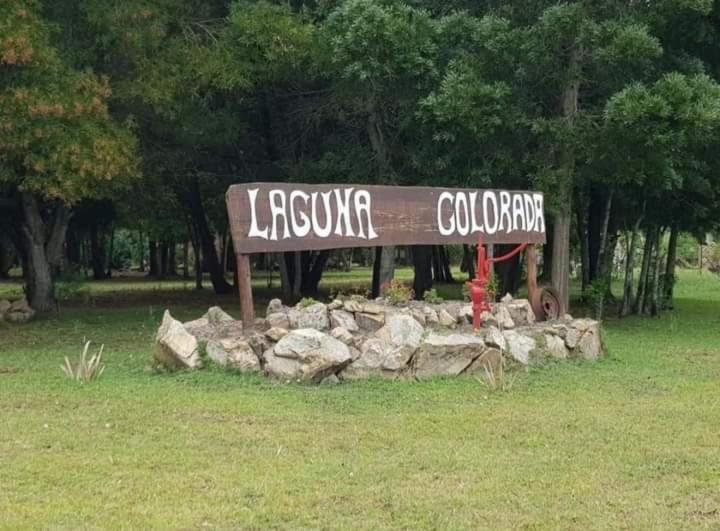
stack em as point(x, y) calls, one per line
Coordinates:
point(346, 212)
point(458, 213)
point(336, 209)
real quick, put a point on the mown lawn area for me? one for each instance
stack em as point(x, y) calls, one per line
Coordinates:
point(631, 441)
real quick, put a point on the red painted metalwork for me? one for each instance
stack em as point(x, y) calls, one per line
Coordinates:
point(478, 285)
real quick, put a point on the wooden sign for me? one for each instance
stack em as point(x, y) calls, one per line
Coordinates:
point(275, 217)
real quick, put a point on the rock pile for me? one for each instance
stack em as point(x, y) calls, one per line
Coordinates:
point(18, 311)
point(357, 338)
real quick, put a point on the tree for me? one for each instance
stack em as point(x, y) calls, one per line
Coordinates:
point(59, 143)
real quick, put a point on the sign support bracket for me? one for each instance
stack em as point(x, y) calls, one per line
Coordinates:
point(247, 308)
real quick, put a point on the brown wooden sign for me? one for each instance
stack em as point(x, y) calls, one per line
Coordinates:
point(275, 217)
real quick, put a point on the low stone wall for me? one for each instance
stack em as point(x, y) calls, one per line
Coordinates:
point(357, 338)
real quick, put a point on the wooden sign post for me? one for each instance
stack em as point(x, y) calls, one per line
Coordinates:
point(279, 217)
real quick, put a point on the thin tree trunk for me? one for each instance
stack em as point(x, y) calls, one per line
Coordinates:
point(387, 267)
point(639, 305)
point(437, 272)
point(171, 260)
point(468, 262)
point(207, 242)
point(375, 290)
point(657, 267)
point(582, 228)
point(297, 277)
point(108, 274)
point(97, 252)
point(422, 263)
point(669, 287)
point(625, 307)
point(141, 251)
point(445, 263)
point(285, 284)
point(186, 256)
point(604, 234)
point(561, 259)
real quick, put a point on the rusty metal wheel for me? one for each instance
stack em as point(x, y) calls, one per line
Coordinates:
point(546, 304)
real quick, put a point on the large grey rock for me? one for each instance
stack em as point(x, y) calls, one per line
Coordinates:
point(369, 363)
point(465, 314)
point(336, 304)
point(556, 346)
point(216, 315)
point(313, 316)
point(589, 346)
point(4, 306)
point(204, 329)
point(343, 319)
point(306, 355)
point(401, 336)
point(372, 307)
point(20, 305)
point(503, 317)
point(278, 320)
point(446, 355)
point(519, 346)
point(493, 337)
point(342, 334)
point(275, 333)
point(233, 353)
point(490, 360)
point(175, 347)
point(446, 319)
point(18, 317)
point(370, 322)
point(352, 306)
point(275, 306)
point(521, 312)
point(572, 337)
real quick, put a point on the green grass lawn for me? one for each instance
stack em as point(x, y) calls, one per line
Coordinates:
point(632, 441)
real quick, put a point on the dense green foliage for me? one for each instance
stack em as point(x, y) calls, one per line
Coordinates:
point(612, 108)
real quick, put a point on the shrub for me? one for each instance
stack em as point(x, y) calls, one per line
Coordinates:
point(431, 296)
point(306, 301)
point(85, 369)
point(397, 293)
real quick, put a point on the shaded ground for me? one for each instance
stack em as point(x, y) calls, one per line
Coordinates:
point(627, 442)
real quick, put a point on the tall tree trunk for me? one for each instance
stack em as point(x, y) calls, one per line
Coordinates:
point(445, 263)
point(547, 251)
point(468, 262)
point(171, 260)
point(604, 234)
point(625, 306)
point(141, 251)
point(312, 271)
point(639, 305)
point(97, 252)
point(669, 285)
point(153, 258)
point(422, 263)
point(207, 242)
point(7, 255)
point(297, 275)
point(375, 290)
point(41, 252)
point(387, 267)
point(163, 249)
point(654, 289)
point(582, 229)
point(437, 272)
point(111, 249)
point(561, 232)
point(285, 283)
point(186, 256)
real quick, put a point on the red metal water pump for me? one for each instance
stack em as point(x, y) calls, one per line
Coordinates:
point(478, 285)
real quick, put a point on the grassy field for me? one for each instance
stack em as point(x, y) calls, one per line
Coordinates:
point(632, 441)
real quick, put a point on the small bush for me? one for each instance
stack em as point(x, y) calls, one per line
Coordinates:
point(397, 293)
point(306, 301)
point(431, 296)
point(85, 369)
